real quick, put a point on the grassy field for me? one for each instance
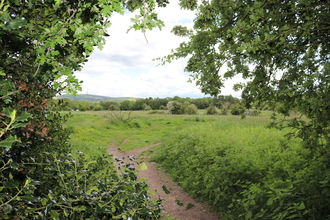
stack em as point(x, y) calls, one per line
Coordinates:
point(94, 131)
point(239, 167)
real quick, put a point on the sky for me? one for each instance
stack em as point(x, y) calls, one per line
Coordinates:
point(124, 67)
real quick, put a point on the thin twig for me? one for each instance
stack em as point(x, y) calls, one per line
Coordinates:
point(9, 94)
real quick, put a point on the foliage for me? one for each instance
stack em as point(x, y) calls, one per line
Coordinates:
point(246, 171)
point(191, 109)
point(211, 110)
point(237, 110)
point(97, 108)
point(155, 103)
point(147, 108)
point(280, 48)
point(175, 107)
point(41, 44)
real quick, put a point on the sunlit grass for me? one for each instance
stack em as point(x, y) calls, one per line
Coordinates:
point(94, 131)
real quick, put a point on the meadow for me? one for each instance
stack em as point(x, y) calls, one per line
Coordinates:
point(241, 168)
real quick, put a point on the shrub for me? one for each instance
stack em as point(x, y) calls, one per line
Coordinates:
point(65, 108)
point(175, 107)
point(211, 110)
point(237, 110)
point(98, 108)
point(147, 108)
point(191, 109)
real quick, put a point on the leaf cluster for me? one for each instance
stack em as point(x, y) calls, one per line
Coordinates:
point(280, 49)
point(41, 44)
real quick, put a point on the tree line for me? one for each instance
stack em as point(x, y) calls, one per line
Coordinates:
point(150, 103)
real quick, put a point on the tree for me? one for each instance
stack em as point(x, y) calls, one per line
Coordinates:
point(175, 107)
point(126, 105)
point(42, 42)
point(282, 50)
point(280, 47)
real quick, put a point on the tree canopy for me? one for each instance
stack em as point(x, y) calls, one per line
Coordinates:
point(42, 42)
point(281, 48)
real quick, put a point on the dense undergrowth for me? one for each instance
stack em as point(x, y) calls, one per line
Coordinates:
point(57, 182)
point(246, 171)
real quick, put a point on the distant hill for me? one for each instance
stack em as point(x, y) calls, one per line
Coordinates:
point(95, 98)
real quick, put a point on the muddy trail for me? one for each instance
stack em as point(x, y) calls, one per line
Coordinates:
point(191, 210)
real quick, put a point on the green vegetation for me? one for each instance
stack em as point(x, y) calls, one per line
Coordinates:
point(281, 50)
point(42, 44)
point(180, 105)
point(92, 132)
point(240, 168)
point(246, 171)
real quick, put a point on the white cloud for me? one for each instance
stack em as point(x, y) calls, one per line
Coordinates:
point(125, 67)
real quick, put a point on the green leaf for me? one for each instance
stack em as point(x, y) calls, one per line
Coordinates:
point(23, 117)
point(15, 24)
point(29, 198)
point(54, 215)
point(11, 184)
point(301, 206)
point(7, 111)
point(44, 201)
point(248, 215)
point(2, 74)
point(143, 166)
point(324, 181)
point(9, 141)
point(14, 165)
point(19, 125)
point(7, 208)
point(270, 201)
point(179, 203)
point(165, 190)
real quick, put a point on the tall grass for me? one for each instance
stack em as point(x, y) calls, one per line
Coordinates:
point(241, 168)
point(246, 171)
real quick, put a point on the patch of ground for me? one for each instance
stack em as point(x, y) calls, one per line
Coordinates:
point(192, 210)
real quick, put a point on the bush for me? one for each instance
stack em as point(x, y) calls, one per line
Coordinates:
point(237, 110)
point(65, 108)
point(98, 108)
point(51, 183)
point(175, 107)
point(248, 172)
point(211, 110)
point(191, 109)
point(147, 108)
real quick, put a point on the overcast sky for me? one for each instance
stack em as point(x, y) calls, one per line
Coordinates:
point(124, 68)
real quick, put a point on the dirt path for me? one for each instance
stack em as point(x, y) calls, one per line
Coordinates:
point(156, 179)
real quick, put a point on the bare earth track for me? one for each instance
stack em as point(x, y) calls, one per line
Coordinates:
point(156, 179)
